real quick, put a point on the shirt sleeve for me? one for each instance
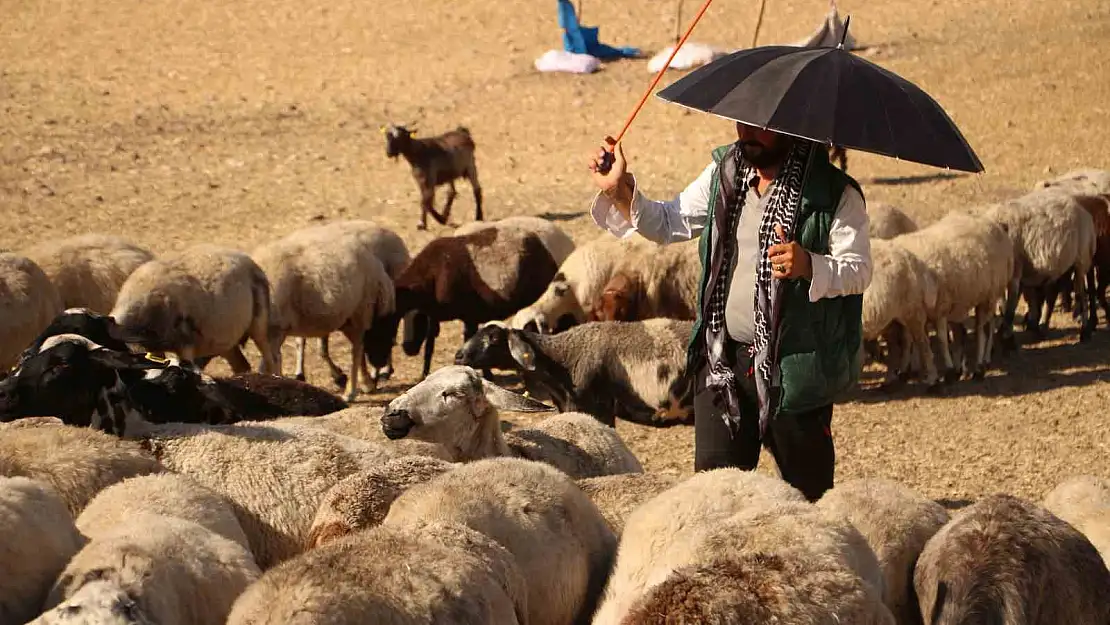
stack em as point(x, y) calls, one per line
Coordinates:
point(662, 221)
point(846, 269)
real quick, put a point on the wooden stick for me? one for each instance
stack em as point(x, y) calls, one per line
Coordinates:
point(758, 22)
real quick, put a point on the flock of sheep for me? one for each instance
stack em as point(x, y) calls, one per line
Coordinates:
point(138, 489)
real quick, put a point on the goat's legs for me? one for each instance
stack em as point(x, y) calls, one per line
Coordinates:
point(429, 346)
point(337, 376)
point(427, 205)
point(452, 193)
point(472, 176)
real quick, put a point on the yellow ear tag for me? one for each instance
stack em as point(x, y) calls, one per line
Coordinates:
point(152, 358)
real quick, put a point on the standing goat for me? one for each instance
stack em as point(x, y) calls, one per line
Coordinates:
point(436, 161)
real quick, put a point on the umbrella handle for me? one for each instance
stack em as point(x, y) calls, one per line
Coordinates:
point(609, 158)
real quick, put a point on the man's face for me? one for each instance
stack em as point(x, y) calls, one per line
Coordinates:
point(762, 148)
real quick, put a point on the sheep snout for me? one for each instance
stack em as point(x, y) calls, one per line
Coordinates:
point(397, 424)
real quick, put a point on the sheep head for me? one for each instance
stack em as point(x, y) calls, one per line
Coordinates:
point(619, 300)
point(487, 349)
point(100, 601)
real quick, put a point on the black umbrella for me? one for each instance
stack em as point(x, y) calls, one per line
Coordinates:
point(828, 95)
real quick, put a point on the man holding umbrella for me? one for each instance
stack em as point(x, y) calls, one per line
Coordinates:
point(783, 242)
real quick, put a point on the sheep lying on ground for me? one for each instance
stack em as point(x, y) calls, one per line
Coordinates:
point(1084, 502)
point(616, 496)
point(364, 423)
point(886, 221)
point(28, 302)
point(420, 574)
point(361, 500)
point(554, 238)
point(203, 301)
point(897, 523)
point(664, 283)
point(458, 409)
point(167, 494)
point(610, 369)
point(76, 462)
point(88, 270)
point(713, 520)
point(551, 528)
point(475, 278)
point(152, 569)
point(1095, 181)
point(98, 328)
point(1006, 560)
point(321, 281)
point(38, 540)
point(436, 161)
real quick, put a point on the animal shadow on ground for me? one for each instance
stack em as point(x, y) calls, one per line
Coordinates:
point(952, 505)
point(551, 216)
point(1036, 366)
point(921, 179)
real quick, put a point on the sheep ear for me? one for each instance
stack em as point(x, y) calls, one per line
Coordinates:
point(507, 400)
point(522, 352)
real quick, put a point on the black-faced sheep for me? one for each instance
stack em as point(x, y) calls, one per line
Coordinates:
point(204, 301)
point(479, 277)
point(436, 161)
point(458, 409)
point(98, 328)
point(1006, 560)
point(28, 302)
point(632, 370)
point(89, 269)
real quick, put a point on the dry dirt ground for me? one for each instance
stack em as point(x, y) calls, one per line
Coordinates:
point(236, 122)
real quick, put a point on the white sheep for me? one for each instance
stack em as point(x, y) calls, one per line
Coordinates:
point(152, 569)
point(29, 301)
point(322, 281)
point(203, 301)
point(557, 242)
point(361, 500)
point(364, 423)
point(1088, 180)
point(89, 269)
point(420, 574)
point(77, 462)
point(650, 283)
point(1084, 502)
point(458, 409)
point(167, 494)
point(37, 541)
point(897, 522)
point(616, 496)
point(886, 221)
point(536, 512)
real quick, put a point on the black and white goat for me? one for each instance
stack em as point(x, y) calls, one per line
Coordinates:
point(436, 161)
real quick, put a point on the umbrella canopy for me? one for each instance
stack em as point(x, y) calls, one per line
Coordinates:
point(828, 95)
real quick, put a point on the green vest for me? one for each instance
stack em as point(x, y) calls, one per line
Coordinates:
point(820, 342)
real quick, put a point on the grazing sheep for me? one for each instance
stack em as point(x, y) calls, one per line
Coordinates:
point(76, 462)
point(361, 500)
point(420, 574)
point(37, 541)
point(897, 523)
point(275, 476)
point(1087, 181)
point(28, 302)
point(323, 281)
point(719, 515)
point(632, 370)
point(436, 161)
point(886, 222)
point(1084, 502)
point(152, 569)
point(1006, 560)
point(204, 301)
point(167, 494)
point(536, 512)
point(616, 496)
point(89, 269)
point(475, 278)
point(1098, 277)
point(1051, 233)
point(458, 409)
point(557, 242)
point(664, 283)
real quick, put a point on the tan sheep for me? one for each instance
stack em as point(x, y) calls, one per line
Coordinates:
point(420, 574)
point(663, 283)
point(1006, 560)
point(364, 423)
point(167, 494)
point(37, 541)
point(89, 269)
point(203, 301)
point(557, 242)
point(1088, 180)
point(362, 500)
point(152, 569)
point(886, 221)
point(1084, 502)
point(29, 301)
point(458, 409)
point(897, 522)
point(322, 281)
point(77, 462)
point(616, 496)
point(551, 527)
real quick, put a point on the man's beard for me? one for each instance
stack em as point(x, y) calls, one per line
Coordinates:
point(763, 156)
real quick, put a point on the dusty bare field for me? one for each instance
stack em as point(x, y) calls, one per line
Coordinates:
point(236, 122)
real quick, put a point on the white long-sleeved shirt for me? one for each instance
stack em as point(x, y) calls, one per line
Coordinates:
point(845, 270)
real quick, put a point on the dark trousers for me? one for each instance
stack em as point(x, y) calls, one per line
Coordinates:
point(801, 444)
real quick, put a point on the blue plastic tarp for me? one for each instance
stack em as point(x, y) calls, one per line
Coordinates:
point(583, 40)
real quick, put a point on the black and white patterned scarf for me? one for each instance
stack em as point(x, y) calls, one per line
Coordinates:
point(782, 208)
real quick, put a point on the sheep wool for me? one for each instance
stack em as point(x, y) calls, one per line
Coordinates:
point(29, 301)
point(1084, 502)
point(616, 496)
point(576, 444)
point(903, 290)
point(557, 242)
point(89, 269)
point(364, 423)
point(886, 222)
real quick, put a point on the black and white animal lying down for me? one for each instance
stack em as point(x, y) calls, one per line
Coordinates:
point(87, 384)
point(633, 370)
